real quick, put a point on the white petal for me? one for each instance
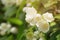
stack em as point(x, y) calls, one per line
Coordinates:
point(48, 17)
point(3, 26)
point(29, 18)
point(43, 26)
point(30, 10)
point(24, 9)
point(36, 18)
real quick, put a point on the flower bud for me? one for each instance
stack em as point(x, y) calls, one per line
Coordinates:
point(13, 30)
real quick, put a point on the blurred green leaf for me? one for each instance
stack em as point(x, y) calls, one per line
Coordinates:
point(52, 24)
point(15, 21)
point(53, 37)
point(10, 11)
point(20, 8)
point(57, 16)
point(58, 37)
point(3, 38)
point(10, 37)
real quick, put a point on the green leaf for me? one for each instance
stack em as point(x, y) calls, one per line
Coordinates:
point(15, 21)
point(10, 37)
point(10, 11)
point(53, 36)
point(57, 16)
point(20, 8)
point(3, 38)
point(58, 37)
point(52, 24)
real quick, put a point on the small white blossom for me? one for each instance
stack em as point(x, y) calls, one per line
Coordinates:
point(29, 10)
point(13, 30)
point(30, 14)
point(43, 26)
point(5, 26)
point(48, 17)
point(35, 19)
point(29, 18)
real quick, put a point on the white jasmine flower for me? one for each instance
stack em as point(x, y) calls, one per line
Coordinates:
point(13, 30)
point(35, 19)
point(29, 18)
point(48, 17)
point(29, 10)
point(30, 14)
point(8, 2)
point(5, 26)
point(43, 26)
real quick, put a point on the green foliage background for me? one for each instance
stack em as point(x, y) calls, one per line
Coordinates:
point(16, 17)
